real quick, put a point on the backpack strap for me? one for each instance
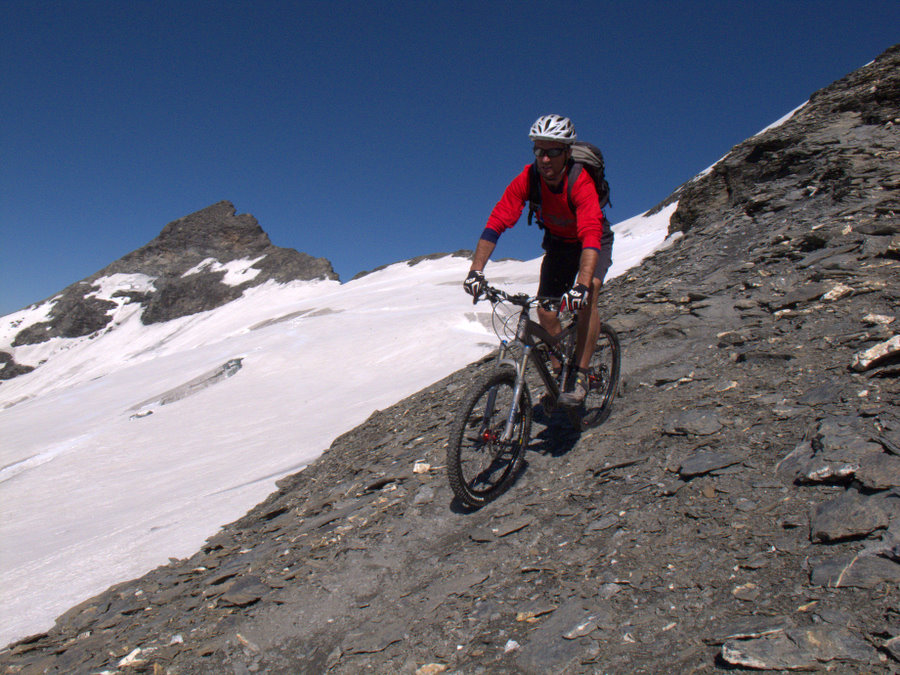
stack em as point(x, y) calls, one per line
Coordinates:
point(534, 195)
point(534, 190)
point(574, 171)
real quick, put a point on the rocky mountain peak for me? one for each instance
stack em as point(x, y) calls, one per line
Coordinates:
point(185, 271)
point(215, 229)
point(216, 232)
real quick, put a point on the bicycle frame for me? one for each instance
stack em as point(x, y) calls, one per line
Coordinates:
point(491, 432)
point(530, 335)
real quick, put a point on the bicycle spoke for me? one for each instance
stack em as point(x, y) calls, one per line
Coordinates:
point(480, 464)
point(603, 377)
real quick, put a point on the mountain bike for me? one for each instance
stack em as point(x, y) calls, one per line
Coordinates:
point(493, 426)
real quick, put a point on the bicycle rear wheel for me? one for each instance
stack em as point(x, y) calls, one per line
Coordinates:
point(480, 465)
point(604, 381)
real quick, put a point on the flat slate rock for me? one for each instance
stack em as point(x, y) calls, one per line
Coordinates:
point(826, 392)
point(799, 296)
point(846, 516)
point(856, 571)
point(373, 638)
point(879, 471)
point(691, 423)
point(799, 649)
point(704, 462)
point(548, 649)
point(747, 627)
point(245, 591)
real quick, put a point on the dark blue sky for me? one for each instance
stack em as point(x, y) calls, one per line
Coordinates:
point(370, 132)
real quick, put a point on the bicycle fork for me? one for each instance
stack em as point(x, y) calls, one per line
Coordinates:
point(517, 393)
point(519, 366)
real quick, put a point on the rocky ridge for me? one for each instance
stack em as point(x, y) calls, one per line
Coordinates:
point(185, 270)
point(740, 509)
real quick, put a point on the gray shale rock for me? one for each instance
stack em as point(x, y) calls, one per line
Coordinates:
point(847, 516)
point(810, 648)
point(856, 571)
point(833, 453)
point(555, 644)
point(879, 471)
point(701, 463)
point(692, 423)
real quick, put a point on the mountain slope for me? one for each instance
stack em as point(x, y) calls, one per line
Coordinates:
point(739, 509)
point(197, 263)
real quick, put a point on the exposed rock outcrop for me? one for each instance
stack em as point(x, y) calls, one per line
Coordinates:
point(219, 233)
point(10, 368)
point(834, 150)
point(462, 253)
point(184, 271)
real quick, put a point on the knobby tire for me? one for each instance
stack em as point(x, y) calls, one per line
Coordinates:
point(605, 366)
point(479, 465)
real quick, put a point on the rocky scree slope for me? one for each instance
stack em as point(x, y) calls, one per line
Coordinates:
point(740, 509)
point(185, 265)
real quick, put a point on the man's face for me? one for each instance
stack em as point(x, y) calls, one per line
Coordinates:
point(551, 168)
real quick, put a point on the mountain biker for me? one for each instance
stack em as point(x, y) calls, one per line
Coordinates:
point(575, 260)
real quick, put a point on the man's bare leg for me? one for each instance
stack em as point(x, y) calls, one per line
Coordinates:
point(588, 327)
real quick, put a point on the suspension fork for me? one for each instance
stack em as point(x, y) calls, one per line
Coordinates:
point(517, 392)
point(492, 394)
point(501, 353)
point(518, 387)
point(522, 336)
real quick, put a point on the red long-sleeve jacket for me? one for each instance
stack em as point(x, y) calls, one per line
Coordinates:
point(585, 225)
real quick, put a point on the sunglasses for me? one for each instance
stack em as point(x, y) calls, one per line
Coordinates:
point(552, 152)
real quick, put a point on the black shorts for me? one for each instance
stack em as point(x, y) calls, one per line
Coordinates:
point(561, 262)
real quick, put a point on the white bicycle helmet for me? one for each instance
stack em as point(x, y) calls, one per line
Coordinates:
point(553, 128)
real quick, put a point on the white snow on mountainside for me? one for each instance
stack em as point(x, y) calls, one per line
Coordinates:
point(127, 447)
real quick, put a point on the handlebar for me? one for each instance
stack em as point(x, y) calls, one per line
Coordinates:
point(523, 300)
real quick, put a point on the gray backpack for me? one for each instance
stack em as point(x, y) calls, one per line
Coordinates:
point(584, 156)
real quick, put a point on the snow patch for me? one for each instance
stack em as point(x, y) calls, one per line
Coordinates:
point(11, 324)
point(116, 283)
point(639, 237)
point(782, 120)
point(236, 271)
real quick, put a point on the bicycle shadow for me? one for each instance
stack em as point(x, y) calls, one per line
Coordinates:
point(558, 436)
point(461, 508)
point(556, 439)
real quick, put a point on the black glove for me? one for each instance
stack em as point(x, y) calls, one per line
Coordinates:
point(474, 284)
point(575, 299)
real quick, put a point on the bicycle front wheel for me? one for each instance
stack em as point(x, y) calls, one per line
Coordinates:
point(606, 363)
point(481, 463)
